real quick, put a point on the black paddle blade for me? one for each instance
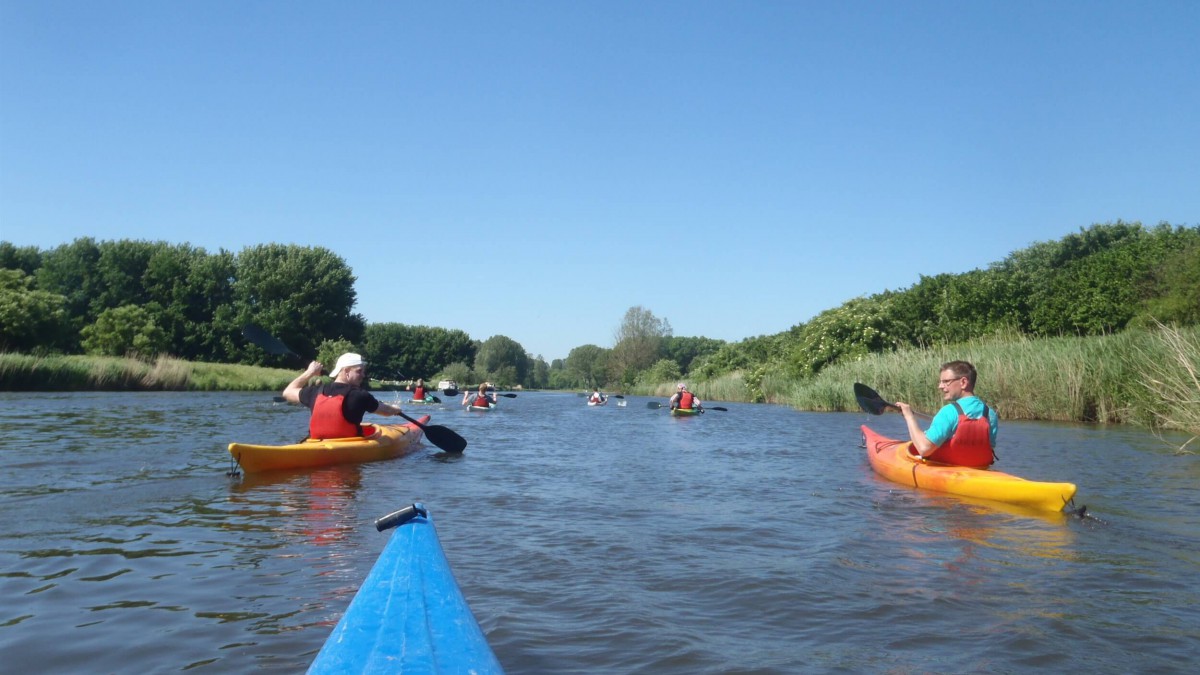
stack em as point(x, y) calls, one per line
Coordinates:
point(654, 405)
point(869, 399)
point(269, 343)
point(445, 438)
point(716, 407)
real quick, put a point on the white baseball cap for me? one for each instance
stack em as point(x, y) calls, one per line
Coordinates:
point(347, 360)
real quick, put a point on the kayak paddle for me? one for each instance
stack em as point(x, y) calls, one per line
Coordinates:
point(443, 437)
point(655, 405)
point(870, 401)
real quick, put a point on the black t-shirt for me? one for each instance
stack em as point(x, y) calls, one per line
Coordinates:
point(357, 402)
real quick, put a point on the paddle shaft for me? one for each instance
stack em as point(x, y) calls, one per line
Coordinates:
point(870, 401)
point(655, 405)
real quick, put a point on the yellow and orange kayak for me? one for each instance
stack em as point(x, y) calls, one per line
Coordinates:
point(898, 462)
point(388, 441)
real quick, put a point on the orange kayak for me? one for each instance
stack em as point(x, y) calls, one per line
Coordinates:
point(388, 441)
point(897, 461)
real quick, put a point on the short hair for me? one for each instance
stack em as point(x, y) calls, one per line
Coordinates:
point(962, 369)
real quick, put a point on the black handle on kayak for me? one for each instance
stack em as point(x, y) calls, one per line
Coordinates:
point(398, 518)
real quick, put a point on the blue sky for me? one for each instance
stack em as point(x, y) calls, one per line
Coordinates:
point(535, 169)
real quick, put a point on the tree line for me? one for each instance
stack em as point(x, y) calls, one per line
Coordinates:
point(146, 298)
point(1100, 280)
point(143, 299)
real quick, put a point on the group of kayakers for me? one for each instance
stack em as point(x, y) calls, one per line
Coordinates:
point(962, 433)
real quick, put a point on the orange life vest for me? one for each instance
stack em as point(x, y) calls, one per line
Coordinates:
point(685, 400)
point(328, 421)
point(419, 394)
point(970, 445)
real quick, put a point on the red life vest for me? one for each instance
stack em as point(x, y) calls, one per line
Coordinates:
point(419, 394)
point(327, 420)
point(685, 400)
point(970, 445)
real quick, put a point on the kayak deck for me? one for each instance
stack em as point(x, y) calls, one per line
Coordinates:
point(896, 461)
point(388, 441)
point(409, 615)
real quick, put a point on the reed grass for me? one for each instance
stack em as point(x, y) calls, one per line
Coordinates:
point(1149, 377)
point(1170, 369)
point(23, 372)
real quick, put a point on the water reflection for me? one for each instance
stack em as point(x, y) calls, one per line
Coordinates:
point(316, 502)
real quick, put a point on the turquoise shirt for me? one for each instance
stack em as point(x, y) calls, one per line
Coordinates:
point(945, 422)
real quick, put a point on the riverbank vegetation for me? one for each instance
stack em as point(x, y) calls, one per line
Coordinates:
point(1146, 376)
point(61, 372)
point(1098, 326)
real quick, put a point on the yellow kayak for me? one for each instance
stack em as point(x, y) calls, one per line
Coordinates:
point(387, 441)
point(896, 461)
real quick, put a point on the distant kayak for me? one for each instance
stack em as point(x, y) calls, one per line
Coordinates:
point(895, 460)
point(387, 441)
point(409, 615)
point(481, 408)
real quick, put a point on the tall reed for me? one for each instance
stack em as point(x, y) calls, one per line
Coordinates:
point(1170, 377)
point(1141, 376)
point(23, 372)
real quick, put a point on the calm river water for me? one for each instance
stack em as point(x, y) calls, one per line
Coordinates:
point(587, 540)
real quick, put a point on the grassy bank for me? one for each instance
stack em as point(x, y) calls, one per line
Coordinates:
point(1147, 377)
point(22, 372)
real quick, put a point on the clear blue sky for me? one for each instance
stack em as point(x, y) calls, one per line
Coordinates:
point(535, 169)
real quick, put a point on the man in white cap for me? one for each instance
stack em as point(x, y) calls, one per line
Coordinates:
point(684, 399)
point(337, 407)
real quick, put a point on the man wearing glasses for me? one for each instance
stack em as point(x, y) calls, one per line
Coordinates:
point(337, 407)
point(963, 432)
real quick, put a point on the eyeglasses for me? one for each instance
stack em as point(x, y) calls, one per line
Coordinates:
point(953, 379)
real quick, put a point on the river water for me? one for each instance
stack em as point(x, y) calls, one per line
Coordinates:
point(588, 540)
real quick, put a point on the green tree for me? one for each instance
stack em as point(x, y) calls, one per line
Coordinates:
point(301, 295)
point(1174, 293)
point(685, 350)
point(539, 373)
point(501, 360)
point(411, 352)
point(852, 330)
point(120, 274)
point(586, 366)
point(665, 370)
point(191, 287)
point(456, 372)
point(30, 320)
point(329, 351)
point(70, 271)
point(25, 258)
point(125, 330)
point(639, 343)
